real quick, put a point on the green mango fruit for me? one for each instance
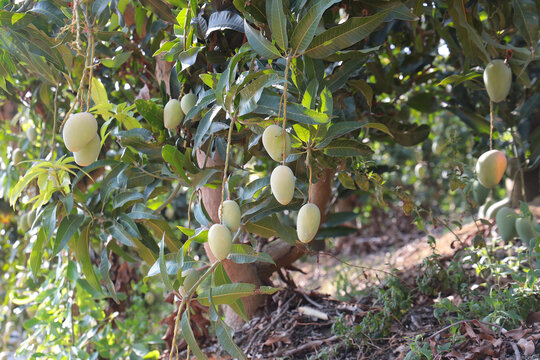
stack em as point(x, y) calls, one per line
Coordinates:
point(172, 114)
point(282, 184)
point(229, 214)
point(490, 168)
point(506, 222)
point(220, 241)
point(307, 222)
point(498, 79)
point(79, 130)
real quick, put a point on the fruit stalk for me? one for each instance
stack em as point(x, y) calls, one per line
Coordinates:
point(227, 155)
point(287, 64)
point(490, 125)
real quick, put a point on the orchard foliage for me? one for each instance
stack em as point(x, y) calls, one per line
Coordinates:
point(183, 92)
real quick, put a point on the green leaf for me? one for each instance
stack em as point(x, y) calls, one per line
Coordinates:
point(188, 57)
point(250, 95)
point(187, 333)
point(346, 180)
point(67, 228)
point(82, 254)
point(338, 129)
point(37, 252)
point(98, 92)
point(265, 227)
point(116, 61)
point(220, 277)
point(50, 11)
point(458, 79)
point(175, 158)
point(259, 43)
point(277, 22)
point(151, 112)
point(118, 232)
point(310, 95)
point(343, 147)
point(305, 29)
point(201, 104)
point(269, 105)
point(245, 254)
point(162, 266)
point(227, 293)
point(161, 9)
point(526, 20)
point(339, 78)
point(104, 268)
point(327, 103)
point(141, 212)
point(224, 334)
point(366, 90)
point(125, 197)
point(161, 228)
point(342, 36)
point(204, 125)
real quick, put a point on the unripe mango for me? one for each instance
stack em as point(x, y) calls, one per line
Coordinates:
point(490, 168)
point(479, 192)
point(172, 114)
point(282, 184)
point(220, 241)
point(31, 133)
point(191, 277)
point(506, 222)
point(23, 222)
point(498, 79)
point(272, 140)
point(492, 211)
point(149, 298)
point(525, 230)
point(17, 156)
point(187, 102)
point(420, 170)
point(307, 222)
point(79, 130)
point(88, 154)
point(30, 219)
point(229, 214)
point(437, 147)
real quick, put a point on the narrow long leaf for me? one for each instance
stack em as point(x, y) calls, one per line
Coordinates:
point(82, 254)
point(67, 228)
point(204, 125)
point(187, 333)
point(260, 44)
point(344, 35)
point(224, 335)
point(37, 252)
point(278, 23)
point(305, 29)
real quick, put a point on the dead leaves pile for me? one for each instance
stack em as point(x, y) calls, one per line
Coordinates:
point(480, 341)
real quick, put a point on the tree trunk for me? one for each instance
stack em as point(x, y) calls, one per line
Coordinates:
point(282, 253)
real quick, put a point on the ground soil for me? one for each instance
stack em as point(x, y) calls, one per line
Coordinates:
point(286, 329)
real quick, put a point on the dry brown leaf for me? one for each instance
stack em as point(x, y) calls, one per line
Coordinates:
point(527, 346)
point(517, 334)
point(274, 339)
point(470, 332)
